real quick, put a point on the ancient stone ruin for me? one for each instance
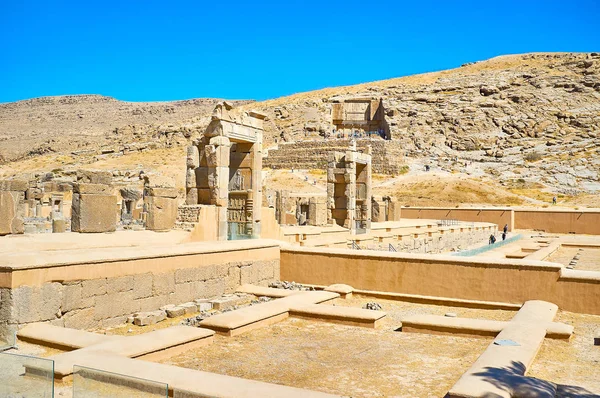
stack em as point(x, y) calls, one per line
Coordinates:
point(349, 190)
point(224, 170)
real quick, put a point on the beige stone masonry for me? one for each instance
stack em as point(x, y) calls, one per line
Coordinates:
point(197, 383)
point(62, 338)
point(148, 345)
point(336, 314)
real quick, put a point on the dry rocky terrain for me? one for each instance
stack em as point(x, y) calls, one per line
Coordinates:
point(526, 125)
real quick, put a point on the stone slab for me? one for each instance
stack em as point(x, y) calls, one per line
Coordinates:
point(437, 324)
point(228, 322)
point(133, 346)
point(345, 291)
point(224, 303)
point(338, 314)
point(63, 338)
point(500, 371)
point(195, 383)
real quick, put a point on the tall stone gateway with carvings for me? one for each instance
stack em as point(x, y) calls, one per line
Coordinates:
point(224, 170)
point(349, 189)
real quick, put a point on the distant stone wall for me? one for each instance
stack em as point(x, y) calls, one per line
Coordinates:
point(387, 156)
point(82, 300)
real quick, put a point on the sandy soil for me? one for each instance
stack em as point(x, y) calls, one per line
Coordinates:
point(589, 258)
point(347, 360)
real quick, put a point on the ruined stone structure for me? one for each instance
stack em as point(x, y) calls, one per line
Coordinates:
point(12, 208)
point(94, 205)
point(384, 208)
point(224, 170)
point(359, 114)
point(387, 156)
point(300, 208)
point(160, 206)
point(349, 189)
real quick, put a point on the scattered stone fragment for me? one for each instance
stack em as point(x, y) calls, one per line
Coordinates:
point(166, 307)
point(290, 286)
point(569, 267)
point(372, 306)
point(230, 301)
point(175, 311)
point(203, 304)
point(189, 308)
point(450, 314)
point(149, 318)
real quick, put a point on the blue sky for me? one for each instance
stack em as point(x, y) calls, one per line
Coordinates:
point(168, 50)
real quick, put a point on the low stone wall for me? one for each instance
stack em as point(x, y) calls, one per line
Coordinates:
point(498, 216)
point(547, 220)
point(101, 287)
point(559, 221)
point(507, 281)
point(438, 242)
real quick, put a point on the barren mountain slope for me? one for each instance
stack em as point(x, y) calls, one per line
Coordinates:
point(530, 120)
point(68, 123)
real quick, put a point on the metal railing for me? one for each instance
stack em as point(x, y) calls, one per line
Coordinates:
point(355, 246)
point(392, 248)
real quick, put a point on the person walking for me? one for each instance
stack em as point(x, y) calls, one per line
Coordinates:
point(505, 230)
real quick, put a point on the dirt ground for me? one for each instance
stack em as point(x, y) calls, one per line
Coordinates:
point(589, 258)
point(351, 361)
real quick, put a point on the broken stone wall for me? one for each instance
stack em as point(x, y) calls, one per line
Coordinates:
point(160, 205)
point(12, 206)
point(107, 302)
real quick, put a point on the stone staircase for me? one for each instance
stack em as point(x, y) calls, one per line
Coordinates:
point(387, 156)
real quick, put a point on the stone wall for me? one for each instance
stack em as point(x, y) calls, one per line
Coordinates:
point(107, 301)
point(470, 278)
point(387, 156)
point(436, 243)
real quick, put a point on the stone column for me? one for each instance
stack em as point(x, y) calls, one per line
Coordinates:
point(217, 159)
point(191, 186)
point(257, 184)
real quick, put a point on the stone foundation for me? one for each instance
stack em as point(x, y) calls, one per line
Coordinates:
point(131, 285)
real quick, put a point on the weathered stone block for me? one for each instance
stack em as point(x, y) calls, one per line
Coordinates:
point(114, 322)
point(11, 217)
point(190, 307)
point(142, 286)
point(73, 300)
point(58, 226)
point(149, 318)
point(203, 304)
point(224, 303)
point(209, 289)
point(162, 213)
point(193, 157)
point(115, 305)
point(120, 284)
point(191, 196)
point(176, 311)
point(80, 319)
point(164, 283)
point(93, 287)
point(14, 185)
point(153, 302)
point(93, 213)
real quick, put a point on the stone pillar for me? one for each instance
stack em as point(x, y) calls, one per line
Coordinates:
point(191, 183)
point(94, 208)
point(161, 208)
point(217, 161)
point(257, 184)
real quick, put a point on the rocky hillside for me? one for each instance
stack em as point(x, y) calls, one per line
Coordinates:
point(532, 119)
point(94, 123)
